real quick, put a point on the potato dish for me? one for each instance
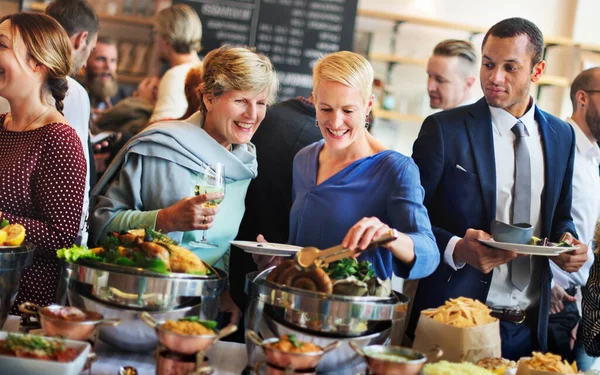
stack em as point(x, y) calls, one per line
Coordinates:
point(289, 344)
point(187, 327)
point(461, 312)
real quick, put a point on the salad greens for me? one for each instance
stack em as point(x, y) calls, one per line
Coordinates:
point(32, 343)
point(347, 267)
point(294, 341)
point(75, 252)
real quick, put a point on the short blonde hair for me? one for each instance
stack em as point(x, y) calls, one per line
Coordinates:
point(231, 68)
point(181, 26)
point(348, 68)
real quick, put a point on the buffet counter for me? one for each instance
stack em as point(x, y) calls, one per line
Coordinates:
point(227, 358)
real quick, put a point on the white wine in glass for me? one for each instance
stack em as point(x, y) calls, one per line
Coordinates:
point(210, 181)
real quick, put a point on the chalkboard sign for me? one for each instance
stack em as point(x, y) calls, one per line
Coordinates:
point(293, 33)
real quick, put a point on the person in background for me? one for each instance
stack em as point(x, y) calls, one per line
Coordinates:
point(348, 188)
point(80, 21)
point(152, 180)
point(101, 77)
point(177, 36)
point(501, 158)
point(585, 209)
point(590, 306)
point(192, 80)
point(451, 73)
point(43, 164)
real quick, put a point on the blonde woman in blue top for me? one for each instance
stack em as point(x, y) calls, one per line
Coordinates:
point(348, 188)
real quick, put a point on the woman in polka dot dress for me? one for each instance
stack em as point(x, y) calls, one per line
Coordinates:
point(42, 165)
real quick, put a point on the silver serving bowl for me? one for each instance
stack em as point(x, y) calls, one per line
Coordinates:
point(13, 259)
point(322, 318)
point(124, 293)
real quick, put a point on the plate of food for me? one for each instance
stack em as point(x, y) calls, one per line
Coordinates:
point(267, 248)
point(32, 354)
point(537, 246)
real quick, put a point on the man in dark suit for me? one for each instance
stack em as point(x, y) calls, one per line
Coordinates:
point(501, 158)
point(287, 128)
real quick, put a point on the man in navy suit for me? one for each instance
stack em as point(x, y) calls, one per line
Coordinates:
point(470, 158)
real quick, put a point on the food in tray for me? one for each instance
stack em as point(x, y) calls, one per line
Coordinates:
point(11, 234)
point(549, 362)
point(387, 356)
point(290, 344)
point(497, 365)
point(140, 248)
point(68, 313)
point(448, 368)
point(37, 347)
point(461, 312)
point(344, 277)
point(191, 326)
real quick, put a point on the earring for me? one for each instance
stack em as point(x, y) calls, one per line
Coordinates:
point(367, 122)
point(317, 123)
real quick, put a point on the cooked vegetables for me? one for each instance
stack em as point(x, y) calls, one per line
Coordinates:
point(139, 248)
point(350, 267)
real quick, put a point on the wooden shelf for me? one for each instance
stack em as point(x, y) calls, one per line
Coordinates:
point(137, 20)
point(419, 21)
point(38, 7)
point(397, 59)
point(549, 40)
point(384, 114)
point(588, 47)
point(558, 81)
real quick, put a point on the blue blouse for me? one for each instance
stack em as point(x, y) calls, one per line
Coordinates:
point(385, 185)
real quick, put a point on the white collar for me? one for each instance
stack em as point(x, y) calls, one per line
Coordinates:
point(504, 121)
point(584, 145)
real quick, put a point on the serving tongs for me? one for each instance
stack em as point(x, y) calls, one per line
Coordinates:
point(309, 258)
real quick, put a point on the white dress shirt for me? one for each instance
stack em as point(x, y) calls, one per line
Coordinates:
point(502, 292)
point(585, 207)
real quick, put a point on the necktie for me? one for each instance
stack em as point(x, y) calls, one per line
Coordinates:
point(520, 267)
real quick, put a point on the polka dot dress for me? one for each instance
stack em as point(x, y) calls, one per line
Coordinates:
point(42, 181)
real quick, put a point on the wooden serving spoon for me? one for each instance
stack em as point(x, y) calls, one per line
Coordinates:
point(311, 257)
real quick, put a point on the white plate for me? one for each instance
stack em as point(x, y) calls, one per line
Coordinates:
point(267, 248)
point(20, 366)
point(549, 251)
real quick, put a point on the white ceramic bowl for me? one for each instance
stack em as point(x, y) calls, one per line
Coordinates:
point(20, 366)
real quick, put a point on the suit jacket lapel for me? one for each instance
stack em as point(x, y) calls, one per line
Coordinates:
point(549, 139)
point(479, 129)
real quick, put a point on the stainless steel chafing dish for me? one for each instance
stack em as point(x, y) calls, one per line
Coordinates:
point(125, 292)
point(321, 318)
point(13, 259)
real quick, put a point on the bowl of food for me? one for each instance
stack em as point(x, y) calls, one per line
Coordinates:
point(497, 365)
point(391, 360)
point(141, 271)
point(67, 322)
point(288, 352)
point(519, 233)
point(545, 364)
point(32, 354)
point(187, 335)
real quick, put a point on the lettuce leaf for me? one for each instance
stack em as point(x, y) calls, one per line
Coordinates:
point(75, 252)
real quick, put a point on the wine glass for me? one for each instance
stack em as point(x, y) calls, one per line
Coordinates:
point(210, 181)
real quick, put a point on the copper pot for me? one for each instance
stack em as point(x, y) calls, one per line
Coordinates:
point(274, 370)
point(295, 361)
point(185, 344)
point(53, 325)
point(378, 366)
point(169, 363)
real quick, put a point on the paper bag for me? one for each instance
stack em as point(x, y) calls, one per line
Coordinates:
point(459, 344)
